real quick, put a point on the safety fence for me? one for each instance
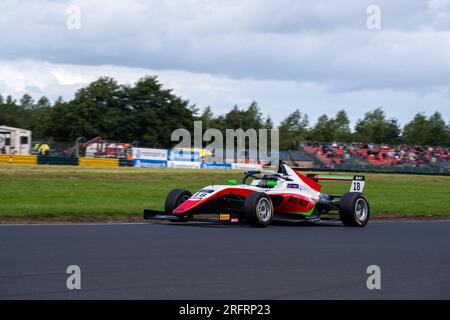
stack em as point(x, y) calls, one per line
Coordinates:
point(68, 161)
point(111, 162)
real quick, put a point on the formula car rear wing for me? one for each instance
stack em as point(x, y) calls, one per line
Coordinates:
point(357, 185)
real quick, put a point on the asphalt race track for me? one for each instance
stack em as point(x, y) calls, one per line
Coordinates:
point(170, 261)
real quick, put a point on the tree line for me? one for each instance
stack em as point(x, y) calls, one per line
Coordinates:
point(146, 113)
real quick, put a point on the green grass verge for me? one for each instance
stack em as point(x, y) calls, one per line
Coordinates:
point(63, 191)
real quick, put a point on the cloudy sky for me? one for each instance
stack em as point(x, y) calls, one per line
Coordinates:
point(315, 55)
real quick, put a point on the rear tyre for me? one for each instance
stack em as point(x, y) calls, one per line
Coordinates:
point(174, 199)
point(258, 209)
point(354, 209)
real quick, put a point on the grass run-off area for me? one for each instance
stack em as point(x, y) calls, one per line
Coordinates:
point(65, 192)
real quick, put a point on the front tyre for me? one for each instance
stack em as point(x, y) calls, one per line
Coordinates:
point(174, 199)
point(258, 209)
point(354, 209)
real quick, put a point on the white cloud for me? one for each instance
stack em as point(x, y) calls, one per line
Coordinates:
point(284, 54)
point(260, 39)
point(276, 98)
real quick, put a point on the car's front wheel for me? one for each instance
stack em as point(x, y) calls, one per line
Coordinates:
point(354, 209)
point(258, 209)
point(174, 199)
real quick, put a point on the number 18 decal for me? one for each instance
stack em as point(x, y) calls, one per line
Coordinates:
point(357, 184)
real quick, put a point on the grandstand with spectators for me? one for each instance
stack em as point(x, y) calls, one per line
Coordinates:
point(330, 154)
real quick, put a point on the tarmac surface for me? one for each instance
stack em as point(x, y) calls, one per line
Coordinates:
point(198, 261)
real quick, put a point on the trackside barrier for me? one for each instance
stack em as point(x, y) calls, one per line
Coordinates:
point(98, 162)
point(246, 166)
point(216, 166)
point(125, 163)
point(183, 164)
point(149, 163)
point(51, 160)
point(18, 159)
point(107, 162)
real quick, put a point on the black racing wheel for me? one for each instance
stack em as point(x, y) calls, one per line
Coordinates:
point(174, 199)
point(258, 209)
point(354, 209)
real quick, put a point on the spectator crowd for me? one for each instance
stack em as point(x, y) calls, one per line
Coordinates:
point(374, 154)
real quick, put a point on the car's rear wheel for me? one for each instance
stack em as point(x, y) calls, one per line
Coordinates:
point(174, 199)
point(258, 209)
point(354, 209)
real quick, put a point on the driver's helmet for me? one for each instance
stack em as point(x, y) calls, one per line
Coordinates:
point(262, 183)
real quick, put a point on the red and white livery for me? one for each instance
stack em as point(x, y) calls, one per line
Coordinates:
point(260, 198)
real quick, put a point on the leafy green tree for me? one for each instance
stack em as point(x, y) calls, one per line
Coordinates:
point(13, 115)
point(268, 124)
point(375, 128)
point(332, 129)
point(341, 127)
point(416, 131)
point(43, 103)
point(24, 112)
point(447, 139)
point(59, 119)
point(293, 130)
point(156, 112)
point(2, 111)
point(40, 118)
point(232, 119)
point(323, 130)
point(427, 131)
point(207, 117)
point(145, 112)
point(250, 118)
point(210, 121)
point(148, 113)
point(93, 112)
point(27, 102)
point(437, 133)
point(253, 117)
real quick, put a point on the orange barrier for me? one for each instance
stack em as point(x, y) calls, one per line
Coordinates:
point(98, 162)
point(18, 159)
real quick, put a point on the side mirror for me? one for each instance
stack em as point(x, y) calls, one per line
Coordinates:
point(232, 182)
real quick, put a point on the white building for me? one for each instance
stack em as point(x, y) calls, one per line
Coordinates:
point(15, 140)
